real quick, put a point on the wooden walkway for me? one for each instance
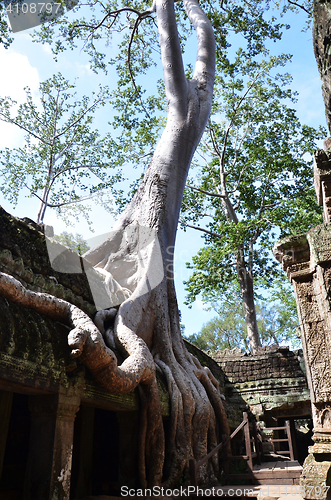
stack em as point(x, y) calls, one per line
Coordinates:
point(281, 472)
point(277, 472)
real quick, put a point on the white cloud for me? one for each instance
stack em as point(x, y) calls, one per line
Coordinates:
point(83, 69)
point(17, 73)
point(47, 49)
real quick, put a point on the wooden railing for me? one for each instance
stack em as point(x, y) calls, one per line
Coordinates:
point(257, 439)
point(283, 440)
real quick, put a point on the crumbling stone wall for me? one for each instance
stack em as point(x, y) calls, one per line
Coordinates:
point(271, 363)
point(271, 383)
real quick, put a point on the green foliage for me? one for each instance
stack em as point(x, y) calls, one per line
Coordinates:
point(276, 316)
point(226, 330)
point(75, 242)
point(140, 114)
point(98, 27)
point(63, 160)
point(5, 38)
point(254, 183)
point(255, 147)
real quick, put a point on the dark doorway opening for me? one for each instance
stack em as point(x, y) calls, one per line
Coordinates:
point(95, 465)
point(16, 449)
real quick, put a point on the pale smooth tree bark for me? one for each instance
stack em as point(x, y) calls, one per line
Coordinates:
point(145, 328)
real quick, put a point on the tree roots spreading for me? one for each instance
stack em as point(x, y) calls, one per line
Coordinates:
point(145, 330)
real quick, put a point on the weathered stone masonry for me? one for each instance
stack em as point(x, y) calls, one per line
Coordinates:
point(307, 261)
point(49, 401)
point(272, 383)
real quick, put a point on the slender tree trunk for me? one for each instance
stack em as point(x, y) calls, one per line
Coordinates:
point(245, 277)
point(247, 292)
point(43, 205)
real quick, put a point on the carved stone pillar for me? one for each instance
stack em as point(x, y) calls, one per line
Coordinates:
point(51, 442)
point(307, 260)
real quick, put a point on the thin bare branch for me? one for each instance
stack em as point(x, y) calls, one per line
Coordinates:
point(7, 119)
point(80, 117)
point(216, 195)
point(109, 14)
point(300, 6)
point(59, 205)
point(198, 228)
point(213, 139)
point(135, 28)
point(76, 167)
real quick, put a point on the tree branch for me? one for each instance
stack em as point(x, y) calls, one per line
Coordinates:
point(58, 205)
point(79, 118)
point(216, 195)
point(10, 120)
point(300, 6)
point(219, 236)
point(236, 109)
point(113, 13)
point(204, 71)
point(196, 212)
point(172, 61)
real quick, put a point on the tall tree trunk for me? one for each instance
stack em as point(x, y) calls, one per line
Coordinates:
point(139, 256)
point(322, 49)
point(247, 291)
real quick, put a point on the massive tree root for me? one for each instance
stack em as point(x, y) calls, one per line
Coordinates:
point(139, 257)
point(195, 402)
point(197, 418)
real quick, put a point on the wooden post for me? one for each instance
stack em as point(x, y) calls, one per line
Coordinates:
point(289, 437)
point(248, 442)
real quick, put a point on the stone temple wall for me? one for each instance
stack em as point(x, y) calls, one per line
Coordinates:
point(271, 384)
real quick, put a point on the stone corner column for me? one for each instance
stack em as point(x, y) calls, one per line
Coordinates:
point(315, 479)
point(68, 405)
point(51, 443)
point(322, 179)
point(307, 261)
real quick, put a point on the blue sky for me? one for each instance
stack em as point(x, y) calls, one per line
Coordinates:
point(28, 63)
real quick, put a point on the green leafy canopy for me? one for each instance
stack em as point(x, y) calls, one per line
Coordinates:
point(253, 178)
point(64, 160)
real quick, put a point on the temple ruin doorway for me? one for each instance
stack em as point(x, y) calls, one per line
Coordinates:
point(14, 449)
point(104, 451)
